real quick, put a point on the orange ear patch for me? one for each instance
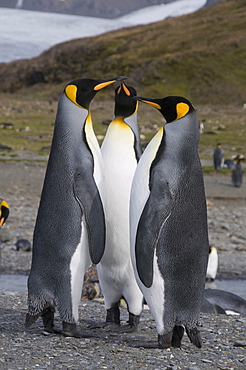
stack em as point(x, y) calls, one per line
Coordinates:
point(182, 109)
point(71, 91)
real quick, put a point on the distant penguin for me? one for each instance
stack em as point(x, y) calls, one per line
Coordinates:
point(228, 163)
point(121, 151)
point(208, 308)
point(212, 263)
point(23, 244)
point(70, 228)
point(4, 211)
point(237, 172)
point(91, 290)
point(218, 157)
point(168, 218)
point(229, 302)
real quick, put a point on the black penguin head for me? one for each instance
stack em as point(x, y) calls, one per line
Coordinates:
point(239, 158)
point(81, 91)
point(211, 248)
point(4, 211)
point(125, 106)
point(171, 107)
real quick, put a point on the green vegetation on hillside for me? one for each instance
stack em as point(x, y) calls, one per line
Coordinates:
point(33, 117)
point(200, 56)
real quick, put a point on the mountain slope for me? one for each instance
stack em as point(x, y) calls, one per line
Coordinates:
point(92, 8)
point(201, 56)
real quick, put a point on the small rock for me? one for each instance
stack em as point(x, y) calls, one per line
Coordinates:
point(221, 127)
point(100, 137)
point(7, 125)
point(225, 227)
point(239, 343)
point(4, 236)
point(5, 147)
point(48, 147)
point(106, 122)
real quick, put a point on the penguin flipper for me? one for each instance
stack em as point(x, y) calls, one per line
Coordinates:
point(152, 220)
point(88, 197)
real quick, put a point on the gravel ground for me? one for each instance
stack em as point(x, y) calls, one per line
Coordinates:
point(224, 340)
point(224, 343)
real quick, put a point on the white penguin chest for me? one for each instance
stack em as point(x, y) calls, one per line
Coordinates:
point(140, 185)
point(96, 153)
point(119, 162)
point(119, 166)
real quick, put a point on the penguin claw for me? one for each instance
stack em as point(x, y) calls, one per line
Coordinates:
point(48, 331)
point(146, 344)
point(195, 337)
point(70, 330)
point(30, 319)
point(78, 334)
point(108, 326)
point(127, 329)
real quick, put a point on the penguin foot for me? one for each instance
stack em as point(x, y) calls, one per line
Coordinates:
point(178, 332)
point(48, 331)
point(30, 319)
point(126, 329)
point(48, 321)
point(194, 336)
point(112, 319)
point(146, 344)
point(171, 339)
point(109, 326)
point(70, 330)
point(113, 314)
point(132, 326)
point(165, 340)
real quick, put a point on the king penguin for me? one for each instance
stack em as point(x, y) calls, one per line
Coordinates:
point(212, 267)
point(218, 157)
point(121, 151)
point(168, 218)
point(4, 211)
point(237, 172)
point(69, 232)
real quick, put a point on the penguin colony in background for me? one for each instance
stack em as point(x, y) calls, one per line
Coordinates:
point(141, 218)
point(237, 168)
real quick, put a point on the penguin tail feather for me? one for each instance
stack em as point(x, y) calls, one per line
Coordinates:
point(30, 319)
point(194, 336)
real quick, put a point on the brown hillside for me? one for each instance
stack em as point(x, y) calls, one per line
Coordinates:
point(201, 55)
